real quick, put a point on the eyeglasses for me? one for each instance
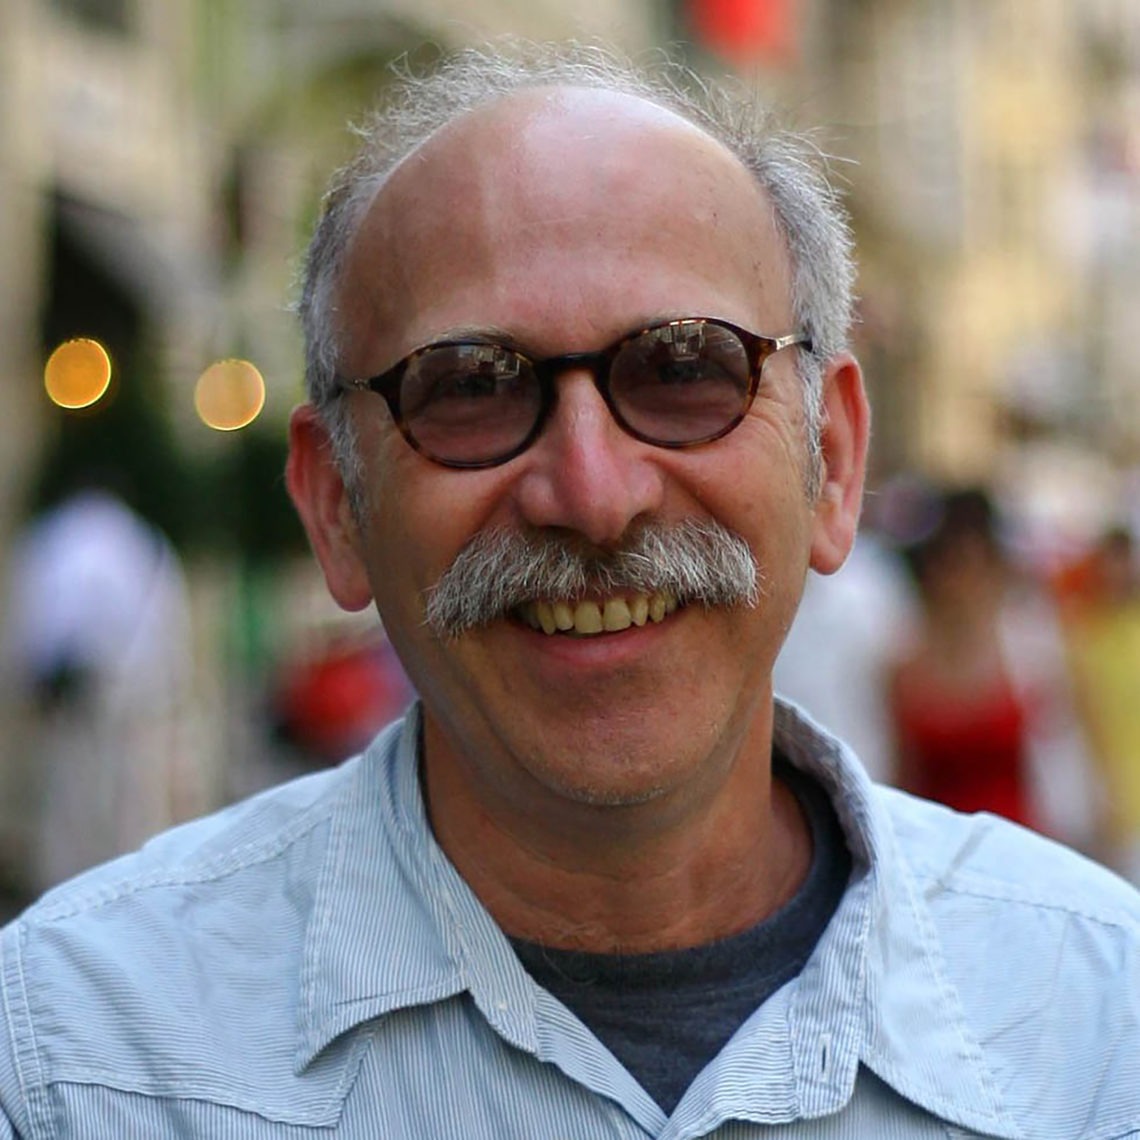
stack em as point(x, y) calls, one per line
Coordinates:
point(471, 403)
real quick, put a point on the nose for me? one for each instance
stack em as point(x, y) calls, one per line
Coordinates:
point(584, 473)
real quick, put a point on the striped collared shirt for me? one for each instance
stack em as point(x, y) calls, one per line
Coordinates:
point(309, 963)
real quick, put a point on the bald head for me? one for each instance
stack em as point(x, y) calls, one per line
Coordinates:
point(786, 167)
point(554, 180)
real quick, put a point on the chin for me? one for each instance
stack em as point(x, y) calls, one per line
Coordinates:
point(601, 782)
point(609, 797)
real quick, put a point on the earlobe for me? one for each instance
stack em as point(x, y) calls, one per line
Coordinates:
point(321, 498)
point(844, 441)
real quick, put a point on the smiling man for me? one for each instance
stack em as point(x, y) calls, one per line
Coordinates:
point(582, 418)
point(541, 308)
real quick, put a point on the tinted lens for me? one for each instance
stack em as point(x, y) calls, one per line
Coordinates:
point(682, 382)
point(469, 403)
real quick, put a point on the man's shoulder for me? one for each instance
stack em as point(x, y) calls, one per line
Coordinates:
point(116, 977)
point(1039, 949)
point(244, 835)
point(991, 860)
point(218, 877)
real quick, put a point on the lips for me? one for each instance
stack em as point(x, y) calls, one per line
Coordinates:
point(588, 618)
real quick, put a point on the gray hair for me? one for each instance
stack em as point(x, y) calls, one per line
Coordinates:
point(696, 560)
point(789, 167)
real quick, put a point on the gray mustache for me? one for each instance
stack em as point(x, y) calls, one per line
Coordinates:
point(696, 560)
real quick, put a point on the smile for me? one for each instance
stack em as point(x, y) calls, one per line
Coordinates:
point(587, 618)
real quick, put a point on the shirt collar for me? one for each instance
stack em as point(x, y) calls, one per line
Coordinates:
point(877, 991)
point(394, 925)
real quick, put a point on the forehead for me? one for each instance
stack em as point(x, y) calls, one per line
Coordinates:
point(552, 138)
point(568, 183)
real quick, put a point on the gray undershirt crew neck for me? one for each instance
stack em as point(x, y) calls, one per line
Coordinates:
point(665, 1015)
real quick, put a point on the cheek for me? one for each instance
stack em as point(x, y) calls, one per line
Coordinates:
point(397, 549)
point(758, 491)
point(422, 516)
point(767, 504)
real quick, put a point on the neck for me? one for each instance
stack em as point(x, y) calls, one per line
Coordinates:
point(633, 878)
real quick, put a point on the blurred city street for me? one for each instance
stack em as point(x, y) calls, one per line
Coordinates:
point(166, 643)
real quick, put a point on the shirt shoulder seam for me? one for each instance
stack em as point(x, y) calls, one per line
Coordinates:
point(183, 873)
point(999, 891)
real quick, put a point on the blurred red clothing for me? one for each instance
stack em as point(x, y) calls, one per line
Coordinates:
point(965, 750)
point(331, 705)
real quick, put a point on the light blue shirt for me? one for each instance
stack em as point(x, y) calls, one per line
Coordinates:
point(309, 964)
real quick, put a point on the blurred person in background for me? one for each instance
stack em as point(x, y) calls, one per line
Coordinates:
point(97, 636)
point(582, 416)
point(981, 698)
point(1103, 628)
point(328, 703)
point(837, 659)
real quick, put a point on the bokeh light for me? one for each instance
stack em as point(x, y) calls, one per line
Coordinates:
point(78, 373)
point(229, 395)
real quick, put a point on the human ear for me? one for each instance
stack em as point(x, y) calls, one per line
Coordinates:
point(318, 492)
point(844, 439)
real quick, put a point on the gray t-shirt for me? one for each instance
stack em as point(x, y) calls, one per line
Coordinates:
point(666, 1015)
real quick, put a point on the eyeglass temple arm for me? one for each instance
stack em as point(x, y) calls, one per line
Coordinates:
point(781, 342)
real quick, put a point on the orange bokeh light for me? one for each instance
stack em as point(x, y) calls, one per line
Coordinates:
point(229, 395)
point(78, 373)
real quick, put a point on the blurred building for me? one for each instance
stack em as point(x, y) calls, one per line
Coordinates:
point(997, 205)
point(161, 161)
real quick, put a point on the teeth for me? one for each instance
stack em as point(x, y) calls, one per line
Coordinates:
point(616, 615)
point(639, 610)
point(587, 618)
point(563, 616)
point(545, 614)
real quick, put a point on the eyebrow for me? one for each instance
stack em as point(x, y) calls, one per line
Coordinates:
point(490, 334)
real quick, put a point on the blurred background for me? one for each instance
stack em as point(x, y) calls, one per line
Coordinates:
point(166, 643)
